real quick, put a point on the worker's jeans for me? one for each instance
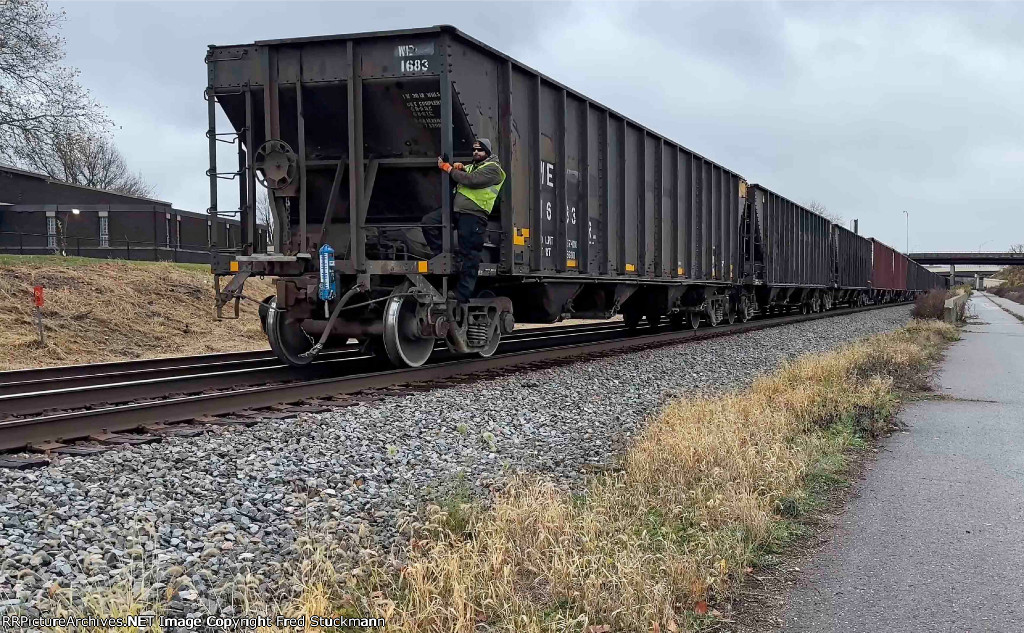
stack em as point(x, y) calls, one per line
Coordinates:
point(466, 258)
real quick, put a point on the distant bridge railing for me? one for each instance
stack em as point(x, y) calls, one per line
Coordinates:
point(967, 257)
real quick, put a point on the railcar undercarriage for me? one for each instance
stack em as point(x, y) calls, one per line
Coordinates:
point(402, 318)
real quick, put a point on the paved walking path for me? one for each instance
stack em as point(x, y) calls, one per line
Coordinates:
point(934, 540)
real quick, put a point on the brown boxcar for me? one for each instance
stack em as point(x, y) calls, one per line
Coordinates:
point(889, 270)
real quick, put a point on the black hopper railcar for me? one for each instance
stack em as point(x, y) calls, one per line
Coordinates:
point(598, 215)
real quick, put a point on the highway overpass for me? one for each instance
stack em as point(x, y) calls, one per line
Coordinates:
point(967, 257)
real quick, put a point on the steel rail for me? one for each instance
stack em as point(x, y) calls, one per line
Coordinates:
point(24, 380)
point(182, 370)
point(19, 399)
point(71, 371)
point(22, 432)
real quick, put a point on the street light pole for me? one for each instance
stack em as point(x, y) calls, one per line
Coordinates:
point(907, 213)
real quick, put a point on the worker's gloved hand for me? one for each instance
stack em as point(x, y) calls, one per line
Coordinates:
point(459, 166)
point(443, 166)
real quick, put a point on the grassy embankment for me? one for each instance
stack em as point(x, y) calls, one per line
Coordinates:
point(1013, 288)
point(714, 487)
point(105, 310)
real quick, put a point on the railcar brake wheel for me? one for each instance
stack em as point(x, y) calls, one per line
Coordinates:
point(403, 343)
point(287, 340)
point(275, 164)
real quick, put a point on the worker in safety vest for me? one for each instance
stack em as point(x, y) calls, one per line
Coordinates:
point(476, 190)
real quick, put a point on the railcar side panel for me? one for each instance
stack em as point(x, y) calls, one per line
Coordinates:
point(707, 191)
point(853, 259)
point(900, 269)
point(632, 165)
point(597, 192)
point(667, 200)
point(520, 186)
point(920, 278)
point(795, 241)
point(686, 223)
point(887, 271)
point(571, 211)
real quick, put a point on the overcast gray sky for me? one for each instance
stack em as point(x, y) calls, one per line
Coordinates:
point(869, 108)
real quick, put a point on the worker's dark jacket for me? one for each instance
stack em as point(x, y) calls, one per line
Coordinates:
point(486, 174)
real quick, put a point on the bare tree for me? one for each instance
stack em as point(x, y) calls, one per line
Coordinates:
point(822, 210)
point(90, 161)
point(40, 98)
point(263, 214)
point(1014, 275)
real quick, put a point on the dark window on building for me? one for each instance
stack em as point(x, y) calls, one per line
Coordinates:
point(51, 232)
point(167, 231)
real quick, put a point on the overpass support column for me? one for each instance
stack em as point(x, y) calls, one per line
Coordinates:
point(952, 275)
point(977, 281)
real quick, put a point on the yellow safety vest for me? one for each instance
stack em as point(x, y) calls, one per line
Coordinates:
point(483, 198)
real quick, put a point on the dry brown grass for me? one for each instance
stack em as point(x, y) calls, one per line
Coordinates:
point(107, 310)
point(700, 494)
point(709, 486)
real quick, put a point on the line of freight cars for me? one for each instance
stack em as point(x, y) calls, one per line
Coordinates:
point(598, 215)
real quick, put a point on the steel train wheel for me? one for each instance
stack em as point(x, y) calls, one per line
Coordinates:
point(287, 340)
point(263, 310)
point(694, 320)
point(744, 311)
point(631, 320)
point(714, 318)
point(402, 342)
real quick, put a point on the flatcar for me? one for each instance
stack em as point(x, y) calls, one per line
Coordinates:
point(598, 215)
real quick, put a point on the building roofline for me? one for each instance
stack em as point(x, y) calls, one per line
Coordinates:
point(32, 174)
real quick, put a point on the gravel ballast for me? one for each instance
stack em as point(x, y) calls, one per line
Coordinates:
point(194, 515)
